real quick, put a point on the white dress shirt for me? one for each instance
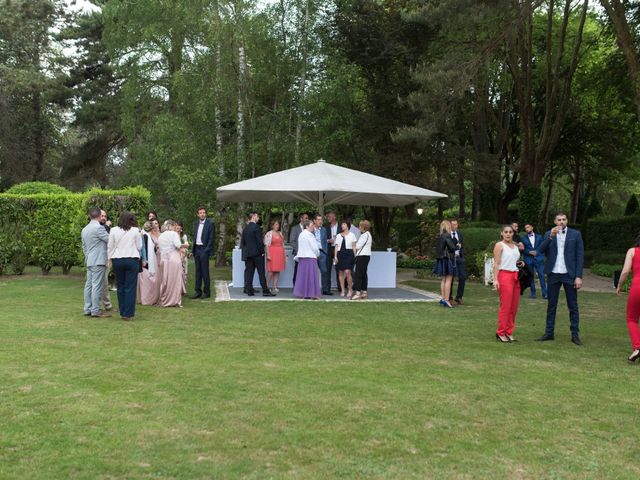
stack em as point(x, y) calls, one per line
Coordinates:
point(199, 234)
point(532, 239)
point(363, 245)
point(124, 243)
point(560, 266)
point(307, 245)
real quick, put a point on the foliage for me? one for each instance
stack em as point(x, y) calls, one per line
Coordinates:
point(480, 257)
point(530, 205)
point(32, 188)
point(612, 233)
point(605, 270)
point(406, 230)
point(420, 263)
point(44, 229)
point(632, 206)
point(606, 257)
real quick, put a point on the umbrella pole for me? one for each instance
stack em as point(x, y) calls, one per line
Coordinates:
point(321, 203)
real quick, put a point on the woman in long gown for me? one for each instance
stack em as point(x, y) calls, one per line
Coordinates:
point(308, 280)
point(148, 279)
point(170, 266)
point(276, 259)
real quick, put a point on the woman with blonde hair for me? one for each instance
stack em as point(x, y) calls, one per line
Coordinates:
point(148, 283)
point(446, 262)
point(169, 244)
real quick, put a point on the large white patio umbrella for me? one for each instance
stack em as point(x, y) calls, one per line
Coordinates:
point(321, 184)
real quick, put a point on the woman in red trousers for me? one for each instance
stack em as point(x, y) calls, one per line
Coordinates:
point(632, 264)
point(506, 257)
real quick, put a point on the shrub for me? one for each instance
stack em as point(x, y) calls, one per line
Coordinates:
point(34, 188)
point(605, 270)
point(612, 233)
point(44, 229)
point(406, 230)
point(477, 241)
point(420, 263)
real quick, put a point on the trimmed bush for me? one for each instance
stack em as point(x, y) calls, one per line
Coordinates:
point(406, 230)
point(44, 229)
point(612, 234)
point(417, 263)
point(604, 270)
point(34, 188)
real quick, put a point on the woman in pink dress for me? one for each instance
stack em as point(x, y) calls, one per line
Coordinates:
point(148, 283)
point(170, 266)
point(276, 259)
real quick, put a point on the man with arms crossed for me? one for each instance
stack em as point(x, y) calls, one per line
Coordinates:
point(565, 260)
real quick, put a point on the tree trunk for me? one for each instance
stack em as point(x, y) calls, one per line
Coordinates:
point(303, 81)
point(222, 236)
point(38, 134)
point(462, 197)
point(240, 152)
point(547, 203)
point(576, 194)
point(626, 41)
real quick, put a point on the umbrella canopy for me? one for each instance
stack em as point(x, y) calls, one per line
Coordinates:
point(321, 184)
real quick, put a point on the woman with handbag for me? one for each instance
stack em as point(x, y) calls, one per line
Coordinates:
point(446, 262)
point(124, 247)
point(363, 256)
point(506, 260)
point(344, 256)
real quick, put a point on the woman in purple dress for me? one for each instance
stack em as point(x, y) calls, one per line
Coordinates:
point(308, 278)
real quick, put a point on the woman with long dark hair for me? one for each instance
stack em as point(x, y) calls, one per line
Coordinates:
point(124, 247)
point(632, 265)
point(506, 256)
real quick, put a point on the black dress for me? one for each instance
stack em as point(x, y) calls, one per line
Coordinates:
point(446, 253)
point(345, 256)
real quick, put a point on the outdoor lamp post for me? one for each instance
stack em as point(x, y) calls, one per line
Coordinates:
point(420, 210)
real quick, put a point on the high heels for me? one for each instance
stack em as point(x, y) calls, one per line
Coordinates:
point(502, 338)
point(634, 356)
point(511, 339)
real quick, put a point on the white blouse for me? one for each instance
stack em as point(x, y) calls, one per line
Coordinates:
point(124, 243)
point(349, 240)
point(363, 245)
point(509, 258)
point(169, 241)
point(307, 245)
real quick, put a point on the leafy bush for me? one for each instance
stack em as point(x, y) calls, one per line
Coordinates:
point(406, 230)
point(477, 240)
point(480, 224)
point(34, 188)
point(44, 229)
point(612, 233)
point(420, 263)
point(605, 270)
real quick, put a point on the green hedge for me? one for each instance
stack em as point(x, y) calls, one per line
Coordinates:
point(406, 230)
point(44, 229)
point(605, 270)
point(612, 234)
point(34, 188)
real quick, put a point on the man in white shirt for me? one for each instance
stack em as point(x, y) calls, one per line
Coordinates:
point(204, 232)
point(461, 273)
point(564, 249)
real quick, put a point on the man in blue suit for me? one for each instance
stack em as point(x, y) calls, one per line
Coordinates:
point(323, 245)
point(533, 259)
point(565, 260)
point(203, 231)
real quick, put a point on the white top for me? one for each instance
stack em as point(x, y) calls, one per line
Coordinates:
point(124, 243)
point(532, 240)
point(307, 245)
point(350, 239)
point(199, 232)
point(509, 258)
point(169, 241)
point(560, 266)
point(363, 245)
point(151, 255)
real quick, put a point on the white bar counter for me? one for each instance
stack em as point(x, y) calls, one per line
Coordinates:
point(381, 271)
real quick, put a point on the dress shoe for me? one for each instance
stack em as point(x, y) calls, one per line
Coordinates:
point(126, 319)
point(502, 338)
point(87, 314)
point(102, 315)
point(327, 293)
point(545, 338)
point(199, 295)
point(634, 356)
point(576, 340)
point(251, 294)
point(459, 301)
point(267, 293)
point(204, 297)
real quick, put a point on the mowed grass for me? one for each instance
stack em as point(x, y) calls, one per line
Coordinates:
point(311, 390)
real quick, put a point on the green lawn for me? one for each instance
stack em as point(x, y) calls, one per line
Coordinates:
point(310, 390)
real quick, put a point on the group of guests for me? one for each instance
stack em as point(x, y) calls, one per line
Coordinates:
point(317, 249)
point(149, 265)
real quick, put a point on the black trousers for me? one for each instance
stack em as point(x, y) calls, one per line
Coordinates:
point(250, 266)
point(360, 278)
point(201, 259)
point(554, 282)
point(330, 265)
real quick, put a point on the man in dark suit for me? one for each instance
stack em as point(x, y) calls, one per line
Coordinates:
point(204, 232)
point(456, 234)
point(332, 230)
point(534, 259)
point(323, 244)
point(253, 255)
point(565, 260)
